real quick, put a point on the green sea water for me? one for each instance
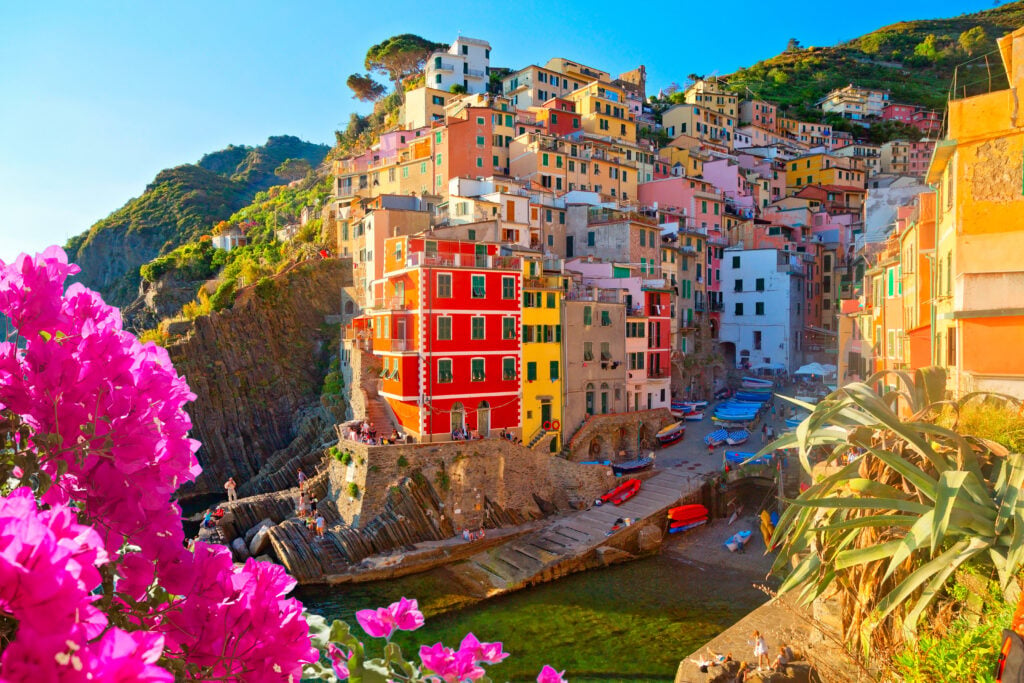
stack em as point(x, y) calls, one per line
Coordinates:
point(633, 621)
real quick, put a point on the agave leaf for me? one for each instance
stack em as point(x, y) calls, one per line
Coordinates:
point(809, 407)
point(912, 473)
point(1011, 478)
point(915, 540)
point(904, 521)
point(946, 496)
point(968, 458)
point(945, 569)
point(872, 488)
point(930, 382)
point(801, 573)
point(850, 558)
point(865, 503)
point(916, 578)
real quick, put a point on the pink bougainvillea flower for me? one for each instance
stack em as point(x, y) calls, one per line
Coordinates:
point(378, 623)
point(549, 675)
point(489, 653)
point(339, 660)
point(406, 614)
point(449, 665)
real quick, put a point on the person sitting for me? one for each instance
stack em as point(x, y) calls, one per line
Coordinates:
point(208, 522)
point(779, 665)
point(394, 435)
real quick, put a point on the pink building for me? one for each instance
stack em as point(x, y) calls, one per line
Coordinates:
point(694, 198)
point(899, 112)
point(729, 178)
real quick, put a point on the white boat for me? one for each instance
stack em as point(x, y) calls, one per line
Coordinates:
point(694, 417)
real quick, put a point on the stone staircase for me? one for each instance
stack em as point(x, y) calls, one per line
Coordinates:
point(380, 414)
point(548, 551)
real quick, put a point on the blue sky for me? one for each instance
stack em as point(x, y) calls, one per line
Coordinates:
point(97, 97)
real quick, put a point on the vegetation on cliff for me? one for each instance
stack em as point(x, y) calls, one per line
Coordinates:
point(915, 60)
point(177, 207)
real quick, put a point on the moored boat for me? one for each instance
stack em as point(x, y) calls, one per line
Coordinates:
point(683, 513)
point(694, 417)
point(737, 437)
point(738, 540)
point(671, 434)
point(677, 527)
point(716, 437)
point(636, 465)
point(621, 493)
point(740, 457)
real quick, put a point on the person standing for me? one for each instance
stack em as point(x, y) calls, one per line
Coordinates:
point(321, 525)
point(302, 479)
point(230, 486)
point(760, 650)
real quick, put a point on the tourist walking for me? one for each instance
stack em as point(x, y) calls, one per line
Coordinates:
point(760, 650)
point(321, 525)
point(302, 479)
point(230, 485)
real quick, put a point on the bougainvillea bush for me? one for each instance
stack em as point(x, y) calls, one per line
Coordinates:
point(96, 582)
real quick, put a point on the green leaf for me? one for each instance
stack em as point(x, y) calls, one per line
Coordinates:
point(865, 504)
point(912, 473)
point(945, 499)
point(342, 633)
point(850, 558)
point(905, 521)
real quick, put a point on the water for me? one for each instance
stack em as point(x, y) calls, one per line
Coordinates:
point(631, 621)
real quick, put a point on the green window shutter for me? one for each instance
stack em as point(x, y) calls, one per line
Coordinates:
point(551, 299)
point(588, 316)
point(531, 371)
point(554, 370)
point(558, 333)
point(508, 368)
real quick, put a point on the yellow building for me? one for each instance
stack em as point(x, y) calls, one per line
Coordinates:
point(423, 106)
point(699, 122)
point(542, 414)
point(822, 169)
point(978, 274)
point(604, 111)
point(552, 163)
point(711, 95)
point(691, 161)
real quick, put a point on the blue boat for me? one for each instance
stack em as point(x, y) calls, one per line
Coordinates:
point(737, 540)
point(740, 457)
point(737, 437)
point(716, 437)
point(754, 397)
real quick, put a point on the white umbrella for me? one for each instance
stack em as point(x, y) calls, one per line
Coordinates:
point(811, 369)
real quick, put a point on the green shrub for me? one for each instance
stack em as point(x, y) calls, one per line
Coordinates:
point(402, 462)
point(346, 458)
point(266, 289)
point(224, 297)
point(353, 490)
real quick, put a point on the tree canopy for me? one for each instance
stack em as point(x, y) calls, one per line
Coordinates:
point(400, 56)
point(365, 88)
point(293, 169)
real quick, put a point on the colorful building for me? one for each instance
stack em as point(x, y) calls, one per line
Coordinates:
point(467, 63)
point(543, 371)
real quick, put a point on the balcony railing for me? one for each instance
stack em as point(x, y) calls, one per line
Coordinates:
point(658, 373)
point(417, 259)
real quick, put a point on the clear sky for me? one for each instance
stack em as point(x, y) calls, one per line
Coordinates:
point(97, 97)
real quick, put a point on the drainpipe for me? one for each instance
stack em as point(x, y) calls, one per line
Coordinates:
point(932, 274)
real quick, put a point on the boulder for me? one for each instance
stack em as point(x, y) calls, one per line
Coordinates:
point(265, 558)
point(239, 552)
point(260, 542)
point(252, 532)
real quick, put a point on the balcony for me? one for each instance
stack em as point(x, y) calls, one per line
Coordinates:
point(420, 259)
point(446, 67)
point(474, 73)
point(658, 373)
point(717, 307)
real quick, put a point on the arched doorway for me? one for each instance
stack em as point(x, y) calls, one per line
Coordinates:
point(483, 418)
point(458, 417)
point(595, 447)
point(644, 436)
point(728, 353)
point(590, 398)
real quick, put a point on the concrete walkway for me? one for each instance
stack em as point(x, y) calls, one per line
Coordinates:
point(568, 538)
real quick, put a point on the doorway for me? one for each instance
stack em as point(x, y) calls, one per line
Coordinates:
point(483, 418)
point(458, 417)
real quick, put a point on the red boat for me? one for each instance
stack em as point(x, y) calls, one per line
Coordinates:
point(621, 493)
point(688, 513)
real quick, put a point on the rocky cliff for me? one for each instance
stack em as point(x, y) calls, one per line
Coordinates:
point(257, 370)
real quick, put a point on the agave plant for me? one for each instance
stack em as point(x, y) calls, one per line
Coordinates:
point(899, 504)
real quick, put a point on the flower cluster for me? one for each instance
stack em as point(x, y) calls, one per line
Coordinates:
point(106, 425)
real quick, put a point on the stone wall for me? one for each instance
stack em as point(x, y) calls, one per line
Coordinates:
point(255, 367)
point(467, 474)
point(604, 437)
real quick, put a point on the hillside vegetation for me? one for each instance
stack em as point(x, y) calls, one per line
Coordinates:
point(915, 60)
point(178, 206)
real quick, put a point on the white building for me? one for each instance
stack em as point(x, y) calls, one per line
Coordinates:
point(763, 317)
point(855, 103)
point(467, 63)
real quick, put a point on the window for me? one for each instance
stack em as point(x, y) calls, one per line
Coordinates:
point(606, 318)
point(444, 284)
point(554, 370)
point(444, 371)
point(636, 360)
point(739, 286)
point(444, 327)
point(643, 238)
point(508, 328)
point(606, 351)
point(588, 350)
point(531, 371)
point(508, 288)
point(476, 370)
point(477, 327)
point(757, 339)
point(591, 238)
point(508, 369)
point(735, 261)
point(739, 309)
point(550, 299)
point(759, 308)
point(588, 316)
point(479, 286)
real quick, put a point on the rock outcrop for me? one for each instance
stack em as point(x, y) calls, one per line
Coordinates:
point(159, 300)
point(257, 369)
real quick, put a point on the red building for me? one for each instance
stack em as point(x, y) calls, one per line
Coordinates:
point(927, 121)
point(658, 308)
point(899, 112)
point(448, 334)
point(559, 117)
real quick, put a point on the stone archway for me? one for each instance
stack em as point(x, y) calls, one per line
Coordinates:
point(596, 447)
point(645, 436)
point(728, 350)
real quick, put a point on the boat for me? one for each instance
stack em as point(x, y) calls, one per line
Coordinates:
point(753, 396)
point(740, 457)
point(694, 417)
point(676, 528)
point(630, 466)
point(737, 437)
point(794, 422)
point(716, 437)
point(757, 382)
point(621, 493)
point(687, 513)
point(737, 540)
point(738, 418)
point(671, 434)
point(687, 406)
